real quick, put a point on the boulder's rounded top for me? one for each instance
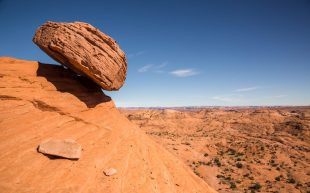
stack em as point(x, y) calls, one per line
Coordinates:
point(86, 50)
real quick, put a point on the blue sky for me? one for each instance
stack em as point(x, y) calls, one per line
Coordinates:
point(183, 53)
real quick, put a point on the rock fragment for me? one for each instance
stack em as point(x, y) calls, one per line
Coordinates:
point(64, 148)
point(85, 50)
point(110, 171)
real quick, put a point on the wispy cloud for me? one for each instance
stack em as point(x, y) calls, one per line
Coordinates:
point(247, 89)
point(162, 65)
point(159, 68)
point(152, 67)
point(184, 72)
point(145, 68)
point(131, 55)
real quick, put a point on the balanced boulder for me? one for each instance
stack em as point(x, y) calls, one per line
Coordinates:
point(64, 148)
point(86, 50)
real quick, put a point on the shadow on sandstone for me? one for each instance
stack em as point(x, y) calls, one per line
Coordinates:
point(65, 80)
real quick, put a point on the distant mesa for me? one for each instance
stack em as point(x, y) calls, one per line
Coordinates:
point(86, 50)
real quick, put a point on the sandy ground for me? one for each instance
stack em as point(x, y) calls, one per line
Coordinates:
point(42, 101)
point(236, 149)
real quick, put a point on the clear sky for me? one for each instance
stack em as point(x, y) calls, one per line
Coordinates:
point(183, 53)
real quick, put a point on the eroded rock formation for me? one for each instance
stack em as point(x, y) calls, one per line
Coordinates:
point(41, 101)
point(86, 50)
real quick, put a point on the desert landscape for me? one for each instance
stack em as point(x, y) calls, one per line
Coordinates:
point(155, 96)
point(241, 149)
point(59, 132)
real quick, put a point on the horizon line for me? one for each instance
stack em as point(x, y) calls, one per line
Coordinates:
point(221, 106)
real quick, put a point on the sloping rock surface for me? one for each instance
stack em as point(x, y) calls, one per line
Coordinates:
point(40, 101)
point(86, 50)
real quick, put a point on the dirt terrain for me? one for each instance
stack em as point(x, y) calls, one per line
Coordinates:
point(41, 101)
point(236, 149)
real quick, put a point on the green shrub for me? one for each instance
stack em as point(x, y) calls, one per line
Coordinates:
point(217, 162)
point(291, 181)
point(255, 186)
point(233, 185)
point(239, 165)
point(219, 176)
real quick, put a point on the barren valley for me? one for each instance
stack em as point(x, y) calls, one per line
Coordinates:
point(236, 149)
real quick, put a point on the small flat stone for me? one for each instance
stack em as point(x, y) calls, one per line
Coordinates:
point(110, 171)
point(64, 148)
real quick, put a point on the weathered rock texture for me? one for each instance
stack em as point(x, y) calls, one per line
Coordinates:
point(86, 50)
point(65, 148)
point(40, 101)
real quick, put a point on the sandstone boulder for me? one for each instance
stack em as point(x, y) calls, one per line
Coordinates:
point(85, 50)
point(66, 148)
